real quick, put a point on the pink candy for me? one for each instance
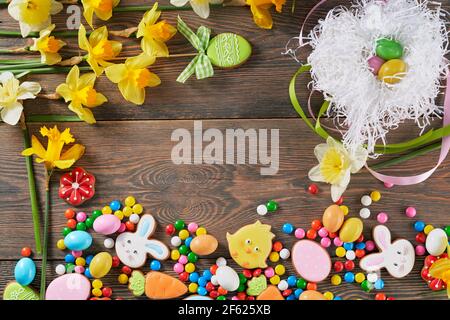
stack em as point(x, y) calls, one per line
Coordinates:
point(269, 272)
point(79, 269)
point(183, 259)
point(375, 64)
point(323, 232)
point(299, 233)
point(337, 242)
point(77, 254)
point(122, 228)
point(410, 212)
point(192, 227)
point(325, 242)
point(420, 250)
point(382, 217)
point(370, 245)
point(178, 268)
point(81, 216)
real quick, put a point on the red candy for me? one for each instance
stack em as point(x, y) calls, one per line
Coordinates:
point(380, 296)
point(349, 265)
point(25, 252)
point(360, 253)
point(277, 246)
point(257, 272)
point(360, 239)
point(421, 237)
point(170, 229)
point(184, 276)
point(332, 235)
point(107, 292)
point(222, 291)
point(71, 223)
point(313, 189)
point(115, 261)
point(311, 286)
point(130, 226)
point(287, 292)
point(127, 270)
point(311, 234)
point(76, 186)
point(316, 225)
point(241, 295)
point(209, 287)
point(213, 268)
point(340, 201)
point(251, 298)
point(338, 266)
point(214, 294)
point(69, 213)
point(247, 273)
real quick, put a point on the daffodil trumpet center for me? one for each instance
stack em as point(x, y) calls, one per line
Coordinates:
point(50, 44)
point(103, 50)
point(86, 96)
point(103, 5)
point(140, 77)
point(160, 31)
point(332, 166)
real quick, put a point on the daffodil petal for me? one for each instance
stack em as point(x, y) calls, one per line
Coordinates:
point(11, 115)
point(315, 174)
point(154, 48)
point(28, 90)
point(201, 8)
point(103, 15)
point(36, 147)
point(132, 93)
point(51, 58)
point(56, 7)
point(63, 164)
point(88, 14)
point(6, 76)
point(262, 17)
point(179, 3)
point(153, 80)
point(116, 73)
point(116, 47)
point(83, 42)
point(320, 150)
point(64, 91)
point(95, 66)
point(99, 100)
point(83, 113)
point(141, 61)
point(87, 79)
point(75, 152)
point(97, 35)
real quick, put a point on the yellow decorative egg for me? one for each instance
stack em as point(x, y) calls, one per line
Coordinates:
point(332, 218)
point(351, 230)
point(251, 245)
point(100, 265)
point(392, 71)
point(311, 295)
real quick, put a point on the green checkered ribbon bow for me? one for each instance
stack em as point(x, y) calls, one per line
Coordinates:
point(200, 65)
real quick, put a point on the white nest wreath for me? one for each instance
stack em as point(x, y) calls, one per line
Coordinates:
point(367, 107)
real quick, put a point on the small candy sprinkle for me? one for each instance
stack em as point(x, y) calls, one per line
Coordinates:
point(69, 214)
point(350, 255)
point(269, 272)
point(275, 280)
point(340, 201)
point(379, 284)
point(349, 265)
point(299, 233)
point(189, 267)
point(360, 277)
point(344, 209)
point(366, 285)
point(183, 234)
point(174, 255)
point(25, 252)
point(283, 285)
point(127, 211)
point(274, 256)
point(336, 280)
point(375, 195)
point(134, 218)
point(410, 212)
point(287, 228)
point(372, 277)
point(338, 266)
point(419, 226)
point(280, 270)
point(96, 292)
point(311, 234)
point(221, 261)
point(119, 214)
point(420, 250)
point(200, 231)
point(80, 261)
point(382, 217)
point(323, 232)
point(192, 227)
point(421, 237)
point(175, 241)
point(328, 295)
point(262, 210)
point(313, 188)
point(337, 242)
point(348, 245)
point(97, 284)
point(183, 259)
point(115, 205)
point(277, 246)
point(285, 253)
point(272, 205)
point(340, 252)
point(366, 200)
point(193, 287)
point(170, 229)
point(428, 228)
point(81, 216)
point(106, 210)
point(364, 213)
point(138, 209)
point(108, 243)
point(178, 267)
point(325, 242)
point(60, 269)
point(370, 245)
point(349, 277)
point(130, 201)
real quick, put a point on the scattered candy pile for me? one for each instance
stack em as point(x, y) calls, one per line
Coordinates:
point(387, 64)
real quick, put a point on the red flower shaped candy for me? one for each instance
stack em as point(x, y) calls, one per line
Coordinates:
point(76, 186)
point(433, 283)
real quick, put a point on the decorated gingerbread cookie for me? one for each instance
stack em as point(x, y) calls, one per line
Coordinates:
point(15, 291)
point(270, 293)
point(76, 187)
point(311, 260)
point(136, 283)
point(159, 285)
point(228, 50)
point(132, 248)
point(70, 286)
point(397, 257)
point(256, 285)
point(251, 245)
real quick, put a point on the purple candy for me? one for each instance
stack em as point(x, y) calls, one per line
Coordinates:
point(375, 64)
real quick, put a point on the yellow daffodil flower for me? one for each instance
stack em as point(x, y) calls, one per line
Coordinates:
point(12, 92)
point(102, 9)
point(260, 11)
point(80, 92)
point(200, 7)
point(155, 33)
point(99, 48)
point(48, 46)
point(336, 164)
point(133, 77)
point(53, 156)
point(33, 15)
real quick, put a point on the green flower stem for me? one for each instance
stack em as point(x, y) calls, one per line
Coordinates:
point(22, 66)
point(48, 70)
point(15, 61)
point(406, 157)
point(48, 175)
point(32, 187)
point(15, 50)
point(52, 118)
point(161, 8)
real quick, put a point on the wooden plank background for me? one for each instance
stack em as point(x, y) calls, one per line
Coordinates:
point(129, 149)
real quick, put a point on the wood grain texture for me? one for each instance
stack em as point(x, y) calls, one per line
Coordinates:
point(133, 157)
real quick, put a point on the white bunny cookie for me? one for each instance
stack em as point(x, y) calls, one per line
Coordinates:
point(132, 248)
point(397, 257)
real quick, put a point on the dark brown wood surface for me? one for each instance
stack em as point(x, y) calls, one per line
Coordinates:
point(129, 153)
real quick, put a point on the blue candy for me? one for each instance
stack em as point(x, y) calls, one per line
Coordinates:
point(89, 258)
point(379, 284)
point(298, 292)
point(337, 298)
point(349, 277)
point(187, 242)
point(25, 271)
point(155, 265)
point(360, 246)
point(69, 258)
point(207, 275)
point(348, 246)
point(202, 281)
point(419, 226)
point(287, 228)
point(115, 205)
point(87, 273)
point(291, 297)
point(194, 276)
point(202, 291)
point(292, 281)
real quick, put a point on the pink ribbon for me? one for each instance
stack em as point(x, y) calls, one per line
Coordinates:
point(445, 148)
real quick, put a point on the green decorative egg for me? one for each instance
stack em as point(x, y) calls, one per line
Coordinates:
point(15, 291)
point(389, 49)
point(228, 50)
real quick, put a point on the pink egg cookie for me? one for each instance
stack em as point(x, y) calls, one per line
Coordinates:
point(311, 261)
point(71, 286)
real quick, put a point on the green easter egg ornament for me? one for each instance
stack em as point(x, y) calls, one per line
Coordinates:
point(389, 49)
point(15, 291)
point(228, 50)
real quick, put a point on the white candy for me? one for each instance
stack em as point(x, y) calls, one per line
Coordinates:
point(261, 210)
point(214, 280)
point(436, 242)
point(366, 200)
point(227, 278)
point(285, 254)
point(175, 241)
point(283, 285)
point(372, 277)
point(221, 262)
point(364, 213)
point(134, 218)
point(108, 243)
point(60, 269)
point(350, 255)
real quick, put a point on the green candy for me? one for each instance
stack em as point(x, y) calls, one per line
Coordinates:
point(301, 283)
point(183, 249)
point(242, 278)
point(81, 226)
point(192, 257)
point(389, 49)
point(447, 230)
point(96, 214)
point(179, 224)
point(228, 50)
point(366, 286)
point(66, 231)
point(136, 283)
point(221, 298)
point(256, 285)
point(272, 205)
point(89, 222)
point(15, 291)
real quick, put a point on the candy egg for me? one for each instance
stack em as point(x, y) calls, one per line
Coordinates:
point(25, 271)
point(107, 224)
point(78, 240)
point(227, 278)
point(375, 64)
point(436, 242)
point(204, 244)
point(100, 265)
point(332, 218)
point(392, 71)
point(72, 286)
point(388, 49)
point(228, 50)
point(311, 295)
point(351, 230)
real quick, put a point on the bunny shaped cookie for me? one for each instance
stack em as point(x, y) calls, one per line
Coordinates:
point(132, 248)
point(397, 257)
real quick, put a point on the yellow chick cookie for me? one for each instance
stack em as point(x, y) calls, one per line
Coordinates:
point(251, 245)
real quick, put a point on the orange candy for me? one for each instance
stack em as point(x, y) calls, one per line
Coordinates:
point(316, 225)
point(311, 286)
point(277, 246)
point(69, 213)
point(311, 234)
point(130, 226)
point(71, 223)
